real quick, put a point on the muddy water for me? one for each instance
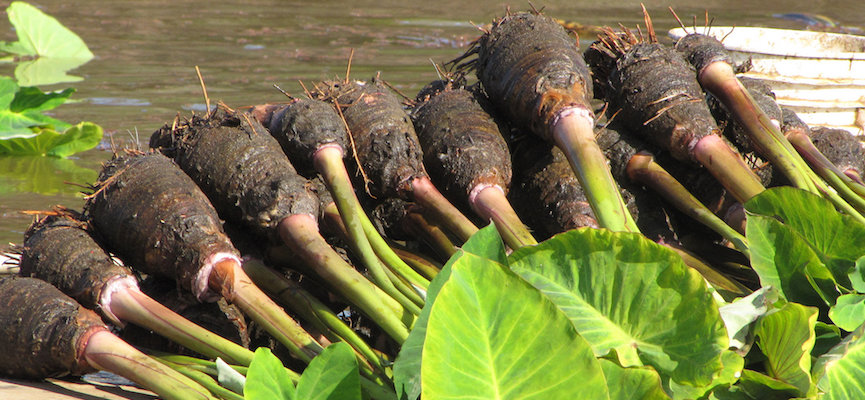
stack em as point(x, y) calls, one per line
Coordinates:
point(143, 74)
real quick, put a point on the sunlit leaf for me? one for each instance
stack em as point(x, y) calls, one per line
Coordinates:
point(42, 35)
point(267, 379)
point(741, 313)
point(849, 311)
point(491, 335)
point(83, 136)
point(332, 375)
point(624, 292)
point(485, 243)
point(840, 373)
point(786, 338)
point(632, 383)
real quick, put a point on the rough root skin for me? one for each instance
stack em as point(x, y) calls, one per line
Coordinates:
point(303, 126)
point(240, 167)
point(701, 50)
point(151, 214)
point(462, 144)
point(44, 331)
point(59, 250)
point(384, 138)
point(532, 70)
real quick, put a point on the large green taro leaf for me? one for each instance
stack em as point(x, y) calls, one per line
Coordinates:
point(786, 338)
point(840, 373)
point(491, 335)
point(486, 243)
point(838, 240)
point(42, 35)
point(267, 379)
point(632, 383)
point(626, 293)
point(783, 260)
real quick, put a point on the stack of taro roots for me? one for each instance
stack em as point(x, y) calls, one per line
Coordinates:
point(342, 205)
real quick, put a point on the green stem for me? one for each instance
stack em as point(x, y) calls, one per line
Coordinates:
point(328, 162)
point(426, 194)
point(229, 279)
point(204, 380)
point(423, 265)
point(133, 306)
point(309, 308)
point(490, 203)
point(300, 232)
point(851, 191)
point(717, 279)
point(390, 258)
point(107, 352)
point(643, 168)
point(573, 134)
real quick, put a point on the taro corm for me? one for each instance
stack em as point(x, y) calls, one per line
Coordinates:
point(242, 168)
point(312, 133)
point(466, 154)
point(154, 216)
point(47, 334)
point(651, 90)
point(59, 250)
point(533, 73)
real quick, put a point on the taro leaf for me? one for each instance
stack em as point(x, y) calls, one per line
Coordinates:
point(786, 338)
point(632, 383)
point(42, 35)
point(739, 315)
point(491, 335)
point(267, 379)
point(838, 240)
point(827, 337)
point(48, 71)
point(857, 275)
point(627, 293)
point(83, 136)
point(406, 370)
point(756, 386)
point(332, 375)
point(20, 109)
point(848, 312)
point(733, 365)
point(783, 260)
point(840, 373)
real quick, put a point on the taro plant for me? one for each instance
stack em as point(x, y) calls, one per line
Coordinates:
point(45, 51)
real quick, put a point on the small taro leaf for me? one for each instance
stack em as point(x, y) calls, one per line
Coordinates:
point(34, 99)
point(267, 379)
point(857, 275)
point(624, 292)
point(491, 335)
point(406, 368)
point(488, 244)
point(827, 337)
point(733, 365)
point(331, 375)
point(840, 373)
point(739, 315)
point(837, 239)
point(8, 89)
point(44, 35)
point(36, 145)
point(848, 312)
point(83, 136)
point(228, 377)
point(756, 386)
point(632, 383)
point(784, 261)
point(786, 338)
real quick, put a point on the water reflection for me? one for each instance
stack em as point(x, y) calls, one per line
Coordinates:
point(43, 175)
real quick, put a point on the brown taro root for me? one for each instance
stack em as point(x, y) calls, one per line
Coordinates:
point(652, 90)
point(47, 334)
point(59, 250)
point(467, 156)
point(533, 73)
point(305, 126)
point(155, 217)
point(842, 149)
point(250, 180)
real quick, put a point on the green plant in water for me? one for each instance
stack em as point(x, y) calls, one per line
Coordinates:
point(46, 50)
